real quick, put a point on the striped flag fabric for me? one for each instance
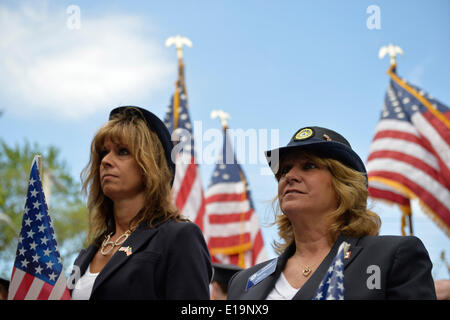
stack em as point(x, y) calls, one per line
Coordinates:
point(38, 272)
point(233, 232)
point(187, 190)
point(409, 157)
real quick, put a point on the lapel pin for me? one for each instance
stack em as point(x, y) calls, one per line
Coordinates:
point(127, 250)
point(347, 251)
point(347, 255)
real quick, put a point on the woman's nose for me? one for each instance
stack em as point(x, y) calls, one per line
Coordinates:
point(106, 160)
point(293, 175)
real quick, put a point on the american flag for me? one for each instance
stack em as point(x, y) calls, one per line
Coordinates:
point(233, 232)
point(187, 190)
point(332, 285)
point(38, 272)
point(410, 153)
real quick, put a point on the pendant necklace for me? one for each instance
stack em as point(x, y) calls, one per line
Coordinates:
point(306, 271)
point(108, 245)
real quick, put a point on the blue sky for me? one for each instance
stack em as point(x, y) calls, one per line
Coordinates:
point(272, 65)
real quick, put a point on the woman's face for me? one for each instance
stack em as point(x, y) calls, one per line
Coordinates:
point(305, 187)
point(120, 175)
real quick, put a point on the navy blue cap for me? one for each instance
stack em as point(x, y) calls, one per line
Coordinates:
point(324, 142)
point(155, 125)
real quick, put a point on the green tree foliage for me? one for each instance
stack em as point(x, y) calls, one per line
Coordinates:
point(66, 204)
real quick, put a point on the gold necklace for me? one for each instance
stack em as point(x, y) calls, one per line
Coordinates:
point(306, 271)
point(111, 244)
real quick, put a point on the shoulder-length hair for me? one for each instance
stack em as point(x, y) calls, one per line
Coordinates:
point(351, 218)
point(147, 150)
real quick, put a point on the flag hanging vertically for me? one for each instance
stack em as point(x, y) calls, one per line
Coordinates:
point(233, 232)
point(38, 272)
point(410, 153)
point(187, 190)
point(332, 285)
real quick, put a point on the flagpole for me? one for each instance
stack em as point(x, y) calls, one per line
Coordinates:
point(39, 164)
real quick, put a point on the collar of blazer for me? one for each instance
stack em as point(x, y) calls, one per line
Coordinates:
point(136, 240)
point(307, 291)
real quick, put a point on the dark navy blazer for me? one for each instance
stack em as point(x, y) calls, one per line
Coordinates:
point(404, 271)
point(170, 261)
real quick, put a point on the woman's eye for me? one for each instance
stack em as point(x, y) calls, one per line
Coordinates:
point(124, 152)
point(102, 154)
point(283, 170)
point(310, 165)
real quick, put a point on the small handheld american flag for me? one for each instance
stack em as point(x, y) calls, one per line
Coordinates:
point(332, 285)
point(38, 272)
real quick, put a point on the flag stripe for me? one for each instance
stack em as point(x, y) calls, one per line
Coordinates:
point(402, 136)
point(24, 286)
point(406, 147)
point(35, 289)
point(186, 185)
point(404, 170)
point(425, 196)
point(439, 128)
point(45, 292)
point(230, 217)
point(258, 246)
point(16, 280)
point(229, 187)
point(440, 146)
point(400, 156)
point(389, 196)
point(224, 197)
point(60, 288)
point(228, 207)
point(230, 241)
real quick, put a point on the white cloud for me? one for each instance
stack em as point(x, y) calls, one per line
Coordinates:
point(46, 67)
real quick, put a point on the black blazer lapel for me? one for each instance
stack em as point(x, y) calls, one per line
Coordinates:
point(81, 262)
point(136, 240)
point(261, 290)
point(353, 251)
point(85, 257)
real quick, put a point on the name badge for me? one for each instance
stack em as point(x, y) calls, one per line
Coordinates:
point(261, 274)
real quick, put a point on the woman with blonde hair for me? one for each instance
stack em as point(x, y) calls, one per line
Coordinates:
point(140, 246)
point(330, 247)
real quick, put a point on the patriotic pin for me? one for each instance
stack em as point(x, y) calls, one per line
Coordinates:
point(347, 251)
point(127, 250)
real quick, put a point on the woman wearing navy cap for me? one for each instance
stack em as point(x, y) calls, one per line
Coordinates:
point(140, 246)
point(330, 248)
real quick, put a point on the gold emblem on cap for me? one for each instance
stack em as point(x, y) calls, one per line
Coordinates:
point(304, 134)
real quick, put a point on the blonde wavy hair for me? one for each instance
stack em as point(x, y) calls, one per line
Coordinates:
point(133, 132)
point(351, 218)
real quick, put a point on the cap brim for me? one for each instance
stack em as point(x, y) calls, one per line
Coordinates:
point(326, 149)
